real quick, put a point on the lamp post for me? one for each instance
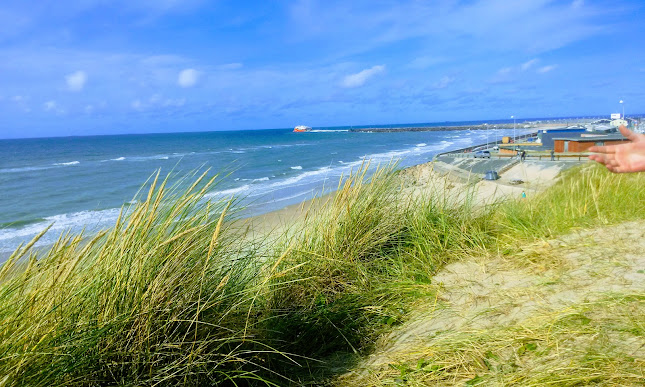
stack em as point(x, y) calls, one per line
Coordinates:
point(513, 117)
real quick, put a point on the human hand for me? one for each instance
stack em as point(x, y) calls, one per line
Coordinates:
point(629, 157)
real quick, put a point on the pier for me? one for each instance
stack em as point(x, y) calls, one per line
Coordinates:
point(432, 128)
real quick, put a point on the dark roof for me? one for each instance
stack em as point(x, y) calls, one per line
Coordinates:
point(562, 130)
point(529, 148)
point(607, 137)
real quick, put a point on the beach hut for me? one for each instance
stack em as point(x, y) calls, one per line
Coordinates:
point(583, 143)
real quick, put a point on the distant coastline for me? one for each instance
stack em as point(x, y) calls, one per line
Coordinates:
point(434, 128)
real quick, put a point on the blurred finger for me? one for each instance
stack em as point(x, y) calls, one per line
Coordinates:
point(604, 149)
point(628, 133)
point(597, 158)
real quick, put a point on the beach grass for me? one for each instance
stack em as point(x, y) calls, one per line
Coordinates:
point(175, 293)
point(160, 298)
point(595, 343)
point(585, 196)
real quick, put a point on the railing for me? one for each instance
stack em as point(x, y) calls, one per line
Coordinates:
point(493, 143)
point(555, 157)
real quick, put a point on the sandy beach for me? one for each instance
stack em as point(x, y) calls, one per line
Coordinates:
point(528, 177)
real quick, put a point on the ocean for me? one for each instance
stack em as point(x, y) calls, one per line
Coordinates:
point(81, 183)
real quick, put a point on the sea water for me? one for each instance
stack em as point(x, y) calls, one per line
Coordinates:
point(78, 183)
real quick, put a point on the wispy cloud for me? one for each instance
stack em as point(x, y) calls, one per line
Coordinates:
point(230, 66)
point(546, 69)
point(76, 81)
point(156, 102)
point(359, 79)
point(444, 82)
point(187, 78)
point(49, 106)
point(527, 65)
point(53, 107)
point(538, 25)
point(136, 104)
point(425, 62)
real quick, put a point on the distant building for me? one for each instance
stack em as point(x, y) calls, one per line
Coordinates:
point(545, 136)
point(581, 143)
point(618, 123)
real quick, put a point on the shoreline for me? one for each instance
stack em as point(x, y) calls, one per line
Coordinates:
point(288, 216)
point(535, 176)
point(416, 179)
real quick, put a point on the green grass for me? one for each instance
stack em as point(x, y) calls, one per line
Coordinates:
point(596, 343)
point(585, 196)
point(175, 293)
point(159, 298)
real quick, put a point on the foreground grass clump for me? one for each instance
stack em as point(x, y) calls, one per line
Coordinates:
point(585, 196)
point(598, 342)
point(176, 293)
point(161, 297)
point(360, 262)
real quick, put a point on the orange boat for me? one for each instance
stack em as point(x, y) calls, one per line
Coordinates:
point(301, 128)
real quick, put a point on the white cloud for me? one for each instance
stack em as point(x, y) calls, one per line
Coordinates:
point(76, 81)
point(156, 101)
point(230, 66)
point(444, 82)
point(424, 62)
point(529, 64)
point(504, 75)
point(546, 69)
point(174, 102)
point(359, 79)
point(49, 106)
point(187, 78)
point(546, 25)
point(52, 106)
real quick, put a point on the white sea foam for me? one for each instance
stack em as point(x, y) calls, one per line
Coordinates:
point(266, 178)
point(77, 221)
point(152, 157)
point(24, 169)
point(422, 144)
point(299, 194)
point(296, 167)
point(228, 192)
point(69, 163)
point(118, 159)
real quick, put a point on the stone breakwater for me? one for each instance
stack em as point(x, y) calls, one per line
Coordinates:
point(436, 128)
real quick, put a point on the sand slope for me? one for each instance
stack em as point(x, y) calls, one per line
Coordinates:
point(554, 313)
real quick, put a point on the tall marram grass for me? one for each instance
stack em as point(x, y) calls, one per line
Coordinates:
point(584, 196)
point(176, 293)
point(160, 298)
point(358, 262)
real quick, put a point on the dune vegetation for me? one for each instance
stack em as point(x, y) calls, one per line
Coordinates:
point(177, 293)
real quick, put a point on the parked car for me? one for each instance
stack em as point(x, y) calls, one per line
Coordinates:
point(482, 154)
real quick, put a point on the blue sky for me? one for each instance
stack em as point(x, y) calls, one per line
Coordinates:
point(84, 67)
